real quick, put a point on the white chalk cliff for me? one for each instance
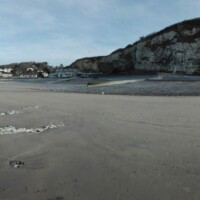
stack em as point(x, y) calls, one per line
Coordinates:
point(173, 49)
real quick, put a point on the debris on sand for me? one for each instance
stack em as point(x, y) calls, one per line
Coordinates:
point(16, 164)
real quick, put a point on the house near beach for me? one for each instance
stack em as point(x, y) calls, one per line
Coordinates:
point(6, 72)
point(53, 75)
point(6, 75)
point(63, 73)
point(86, 75)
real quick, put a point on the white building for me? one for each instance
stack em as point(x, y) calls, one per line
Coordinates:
point(64, 74)
point(53, 75)
point(6, 70)
point(30, 69)
point(61, 74)
point(6, 75)
point(45, 74)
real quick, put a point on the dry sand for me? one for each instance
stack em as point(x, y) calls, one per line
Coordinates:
point(110, 147)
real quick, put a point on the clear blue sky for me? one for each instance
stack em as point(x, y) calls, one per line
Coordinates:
point(61, 31)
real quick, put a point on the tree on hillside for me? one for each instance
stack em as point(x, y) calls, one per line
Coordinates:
point(13, 72)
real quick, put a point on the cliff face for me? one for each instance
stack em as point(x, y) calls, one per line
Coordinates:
point(173, 49)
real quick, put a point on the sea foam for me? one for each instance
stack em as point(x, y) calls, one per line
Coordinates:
point(10, 130)
point(19, 111)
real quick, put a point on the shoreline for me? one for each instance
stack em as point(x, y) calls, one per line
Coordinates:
point(134, 86)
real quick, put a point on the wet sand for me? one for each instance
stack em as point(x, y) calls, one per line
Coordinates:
point(109, 147)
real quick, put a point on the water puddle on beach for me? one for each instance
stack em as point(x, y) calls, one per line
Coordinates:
point(10, 130)
point(19, 111)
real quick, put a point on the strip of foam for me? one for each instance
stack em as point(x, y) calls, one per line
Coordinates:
point(19, 111)
point(9, 130)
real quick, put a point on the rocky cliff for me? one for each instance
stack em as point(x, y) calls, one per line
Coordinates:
point(173, 49)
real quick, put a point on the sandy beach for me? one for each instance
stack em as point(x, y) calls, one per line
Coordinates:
point(98, 147)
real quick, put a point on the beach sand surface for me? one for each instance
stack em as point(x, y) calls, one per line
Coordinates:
point(105, 147)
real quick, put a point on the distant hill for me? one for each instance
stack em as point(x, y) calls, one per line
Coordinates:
point(174, 49)
point(27, 67)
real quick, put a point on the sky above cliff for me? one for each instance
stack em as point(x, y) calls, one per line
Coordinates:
point(61, 31)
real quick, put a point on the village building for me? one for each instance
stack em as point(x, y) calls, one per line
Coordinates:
point(6, 70)
point(30, 69)
point(6, 75)
point(63, 73)
point(86, 75)
point(45, 74)
point(52, 75)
